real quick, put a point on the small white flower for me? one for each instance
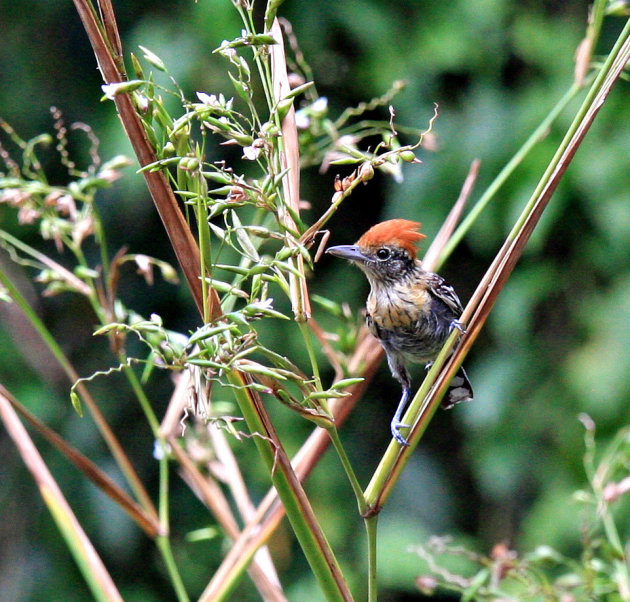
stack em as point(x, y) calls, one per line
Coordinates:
point(143, 102)
point(251, 152)
point(207, 99)
point(225, 50)
point(320, 106)
point(302, 120)
point(143, 262)
point(263, 305)
point(110, 90)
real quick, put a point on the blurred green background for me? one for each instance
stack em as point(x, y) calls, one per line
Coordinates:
point(501, 469)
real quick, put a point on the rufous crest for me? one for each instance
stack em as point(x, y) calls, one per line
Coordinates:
point(398, 232)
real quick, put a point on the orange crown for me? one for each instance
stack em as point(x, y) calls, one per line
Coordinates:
point(398, 232)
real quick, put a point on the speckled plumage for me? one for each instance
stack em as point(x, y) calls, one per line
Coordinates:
point(410, 310)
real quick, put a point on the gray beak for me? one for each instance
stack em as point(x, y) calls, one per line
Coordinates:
point(349, 252)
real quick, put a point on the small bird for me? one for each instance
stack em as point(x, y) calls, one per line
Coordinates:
point(410, 310)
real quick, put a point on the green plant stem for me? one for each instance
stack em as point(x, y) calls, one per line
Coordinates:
point(345, 462)
point(371, 524)
point(164, 546)
point(299, 512)
point(306, 337)
point(101, 239)
point(332, 432)
point(162, 542)
point(145, 404)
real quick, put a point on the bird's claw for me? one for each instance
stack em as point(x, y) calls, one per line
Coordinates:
point(456, 324)
point(396, 432)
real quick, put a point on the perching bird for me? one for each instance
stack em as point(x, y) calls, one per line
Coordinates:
point(410, 310)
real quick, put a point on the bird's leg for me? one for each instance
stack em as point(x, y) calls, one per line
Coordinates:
point(397, 366)
point(396, 420)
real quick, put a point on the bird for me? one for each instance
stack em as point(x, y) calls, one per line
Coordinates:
point(410, 310)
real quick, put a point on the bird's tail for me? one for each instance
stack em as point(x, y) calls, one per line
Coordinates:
point(459, 390)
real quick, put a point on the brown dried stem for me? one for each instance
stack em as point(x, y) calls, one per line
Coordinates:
point(104, 41)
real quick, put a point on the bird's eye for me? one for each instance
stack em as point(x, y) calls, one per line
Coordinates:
point(383, 254)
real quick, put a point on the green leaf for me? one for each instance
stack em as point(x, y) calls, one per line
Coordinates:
point(153, 58)
point(346, 382)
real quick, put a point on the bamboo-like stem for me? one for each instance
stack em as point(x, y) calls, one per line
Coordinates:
point(299, 511)
point(86, 557)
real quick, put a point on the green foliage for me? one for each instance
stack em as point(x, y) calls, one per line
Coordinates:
point(556, 344)
point(598, 572)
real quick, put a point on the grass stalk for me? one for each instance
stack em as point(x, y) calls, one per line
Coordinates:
point(371, 524)
point(299, 511)
point(112, 442)
point(89, 563)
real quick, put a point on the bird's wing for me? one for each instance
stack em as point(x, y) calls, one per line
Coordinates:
point(445, 293)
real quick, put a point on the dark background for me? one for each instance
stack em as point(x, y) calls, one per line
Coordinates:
point(501, 469)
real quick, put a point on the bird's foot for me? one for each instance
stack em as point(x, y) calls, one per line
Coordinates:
point(396, 425)
point(458, 325)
